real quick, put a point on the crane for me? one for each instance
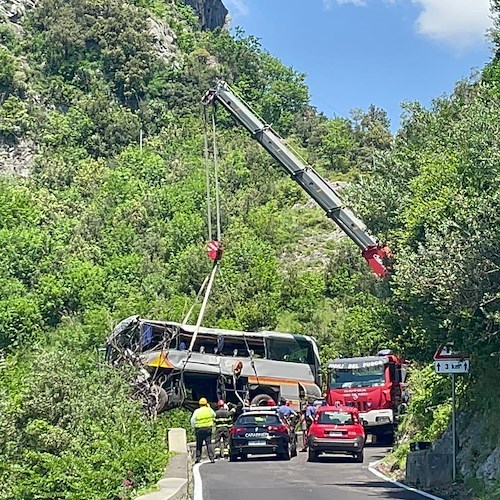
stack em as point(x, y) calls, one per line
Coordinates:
point(377, 255)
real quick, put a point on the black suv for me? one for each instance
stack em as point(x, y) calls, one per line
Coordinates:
point(261, 433)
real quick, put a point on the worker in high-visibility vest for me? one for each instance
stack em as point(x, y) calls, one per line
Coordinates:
point(223, 421)
point(202, 422)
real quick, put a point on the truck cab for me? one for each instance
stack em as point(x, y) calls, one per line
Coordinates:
point(372, 384)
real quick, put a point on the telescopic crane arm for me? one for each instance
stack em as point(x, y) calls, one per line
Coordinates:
point(308, 179)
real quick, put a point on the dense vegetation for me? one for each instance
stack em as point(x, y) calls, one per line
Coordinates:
point(105, 227)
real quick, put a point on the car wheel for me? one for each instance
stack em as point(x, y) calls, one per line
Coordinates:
point(312, 456)
point(285, 455)
point(359, 457)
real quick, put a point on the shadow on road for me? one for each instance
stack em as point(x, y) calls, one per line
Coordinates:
point(262, 458)
point(333, 459)
point(390, 491)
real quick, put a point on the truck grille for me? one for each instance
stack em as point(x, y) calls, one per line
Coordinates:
point(360, 405)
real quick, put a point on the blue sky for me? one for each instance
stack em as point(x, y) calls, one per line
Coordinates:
point(359, 52)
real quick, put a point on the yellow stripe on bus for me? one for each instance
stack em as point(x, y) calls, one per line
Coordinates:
point(161, 361)
point(277, 381)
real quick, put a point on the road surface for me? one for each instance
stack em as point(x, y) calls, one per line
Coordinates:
point(262, 477)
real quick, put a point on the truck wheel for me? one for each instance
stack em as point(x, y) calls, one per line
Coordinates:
point(359, 457)
point(260, 400)
point(312, 456)
point(387, 439)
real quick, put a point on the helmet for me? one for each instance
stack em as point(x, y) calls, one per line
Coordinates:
point(270, 402)
point(220, 403)
point(203, 402)
point(282, 401)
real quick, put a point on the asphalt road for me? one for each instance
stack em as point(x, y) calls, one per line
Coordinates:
point(262, 477)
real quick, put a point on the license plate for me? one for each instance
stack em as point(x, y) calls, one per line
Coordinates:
point(256, 443)
point(335, 433)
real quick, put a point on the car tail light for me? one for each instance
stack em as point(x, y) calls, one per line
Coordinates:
point(316, 430)
point(351, 433)
point(236, 430)
point(277, 428)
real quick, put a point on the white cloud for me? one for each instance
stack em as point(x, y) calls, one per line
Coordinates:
point(457, 22)
point(238, 7)
point(328, 4)
point(460, 23)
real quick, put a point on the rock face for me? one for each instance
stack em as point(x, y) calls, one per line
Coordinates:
point(477, 454)
point(212, 13)
point(14, 10)
point(165, 42)
point(16, 160)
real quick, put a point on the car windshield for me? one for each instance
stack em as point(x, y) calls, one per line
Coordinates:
point(335, 418)
point(249, 420)
point(357, 377)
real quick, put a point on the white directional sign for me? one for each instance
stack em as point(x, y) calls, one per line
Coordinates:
point(452, 366)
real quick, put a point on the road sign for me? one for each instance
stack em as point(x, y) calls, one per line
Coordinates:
point(446, 360)
point(446, 352)
point(452, 365)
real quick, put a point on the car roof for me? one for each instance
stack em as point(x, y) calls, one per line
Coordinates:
point(257, 413)
point(345, 409)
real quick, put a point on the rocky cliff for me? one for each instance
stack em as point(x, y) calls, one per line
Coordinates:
point(212, 13)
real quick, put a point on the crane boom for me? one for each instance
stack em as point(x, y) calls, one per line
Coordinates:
point(304, 175)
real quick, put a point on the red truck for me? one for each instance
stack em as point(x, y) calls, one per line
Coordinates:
point(375, 385)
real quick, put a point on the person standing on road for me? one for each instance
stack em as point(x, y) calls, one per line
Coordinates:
point(309, 413)
point(284, 411)
point(202, 422)
point(223, 421)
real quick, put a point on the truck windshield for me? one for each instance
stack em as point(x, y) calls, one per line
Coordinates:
point(357, 377)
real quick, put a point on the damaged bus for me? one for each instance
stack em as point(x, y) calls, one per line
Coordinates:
point(239, 367)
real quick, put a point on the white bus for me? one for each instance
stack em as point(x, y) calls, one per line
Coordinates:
point(239, 367)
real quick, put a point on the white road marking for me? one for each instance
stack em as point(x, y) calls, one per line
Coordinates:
point(198, 486)
point(371, 468)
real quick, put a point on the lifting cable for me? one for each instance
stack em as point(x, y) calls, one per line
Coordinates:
point(214, 247)
point(249, 351)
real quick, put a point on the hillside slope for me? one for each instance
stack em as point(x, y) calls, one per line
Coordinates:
point(102, 216)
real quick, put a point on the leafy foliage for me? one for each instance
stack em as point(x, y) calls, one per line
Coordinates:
point(112, 222)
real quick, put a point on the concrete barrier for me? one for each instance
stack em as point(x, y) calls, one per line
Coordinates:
point(177, 440)
point(427, 468)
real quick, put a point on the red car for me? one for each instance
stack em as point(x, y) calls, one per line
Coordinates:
point(336, 429)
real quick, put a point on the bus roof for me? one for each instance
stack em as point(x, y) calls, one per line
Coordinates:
point(227, 333)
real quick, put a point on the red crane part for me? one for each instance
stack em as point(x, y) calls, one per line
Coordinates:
point(214, 250)
point(379, 258)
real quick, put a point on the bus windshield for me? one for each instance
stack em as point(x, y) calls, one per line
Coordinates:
point(290, 350)
point(372, 376)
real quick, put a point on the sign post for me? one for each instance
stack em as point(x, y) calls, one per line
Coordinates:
point(446, 361)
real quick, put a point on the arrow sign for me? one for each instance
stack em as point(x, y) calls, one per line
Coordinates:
point(452, 366)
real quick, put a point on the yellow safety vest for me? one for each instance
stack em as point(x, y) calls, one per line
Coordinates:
point(204, 417)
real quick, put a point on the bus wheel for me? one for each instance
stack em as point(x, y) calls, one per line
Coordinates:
point(260, 400)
